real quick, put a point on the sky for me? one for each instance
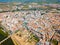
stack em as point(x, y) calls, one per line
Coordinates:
point(5, 0)
point(28, 0)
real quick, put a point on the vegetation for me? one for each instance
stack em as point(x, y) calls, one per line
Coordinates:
point(54, 41)
point(25, 6)
point(3, 35)
point(8, 42)
point(33, 37)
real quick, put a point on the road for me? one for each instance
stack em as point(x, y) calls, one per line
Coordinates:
point(6, 38)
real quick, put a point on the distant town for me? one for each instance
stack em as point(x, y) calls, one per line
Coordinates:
point(29, 24)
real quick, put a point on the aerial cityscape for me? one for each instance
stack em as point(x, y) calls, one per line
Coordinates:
point(29, 22)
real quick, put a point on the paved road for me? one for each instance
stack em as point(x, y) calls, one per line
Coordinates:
point(38, 34)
